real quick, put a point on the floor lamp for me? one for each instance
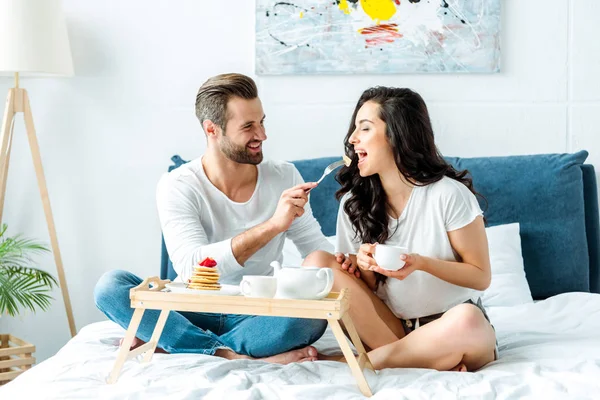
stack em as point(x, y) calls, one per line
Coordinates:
point(33, 42)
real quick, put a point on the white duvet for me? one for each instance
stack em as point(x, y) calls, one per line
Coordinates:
point(548, 350)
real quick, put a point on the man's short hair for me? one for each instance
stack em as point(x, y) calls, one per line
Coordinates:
point(213, 95)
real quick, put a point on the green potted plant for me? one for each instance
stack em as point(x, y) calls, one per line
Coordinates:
point(22, 286)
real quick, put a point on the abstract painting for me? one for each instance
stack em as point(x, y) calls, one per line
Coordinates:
point(377, 36)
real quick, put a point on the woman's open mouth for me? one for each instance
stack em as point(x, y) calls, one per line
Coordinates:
point(362, 156)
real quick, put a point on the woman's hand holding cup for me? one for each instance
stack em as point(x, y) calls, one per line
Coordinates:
point(395, 261)
point(364, 258)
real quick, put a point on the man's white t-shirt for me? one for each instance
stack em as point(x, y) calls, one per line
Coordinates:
point(430, 213)
point(198, 220)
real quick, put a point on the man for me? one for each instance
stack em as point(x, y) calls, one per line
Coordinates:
point(232, 207)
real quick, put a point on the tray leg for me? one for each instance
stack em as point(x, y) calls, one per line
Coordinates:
point(356, 340)
point(126, 345)
point(160, 324)
point(363, 385)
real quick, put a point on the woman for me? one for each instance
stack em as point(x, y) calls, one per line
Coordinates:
point(400, 191)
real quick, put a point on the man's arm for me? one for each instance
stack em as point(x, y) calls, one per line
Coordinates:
point(305, 231)
point(290, 207)
point(187, 242)
point(186, 239)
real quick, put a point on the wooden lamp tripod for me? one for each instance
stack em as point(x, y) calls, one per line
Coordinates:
point(33, 41)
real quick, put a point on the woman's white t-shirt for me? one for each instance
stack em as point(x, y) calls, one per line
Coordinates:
point(430, 213)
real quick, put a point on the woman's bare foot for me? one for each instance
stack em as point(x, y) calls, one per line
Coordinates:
point(308, 353)
point(460, 368)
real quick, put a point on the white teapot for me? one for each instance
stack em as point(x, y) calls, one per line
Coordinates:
point(306, 283)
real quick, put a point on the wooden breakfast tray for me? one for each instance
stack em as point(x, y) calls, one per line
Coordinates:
point(333, 308)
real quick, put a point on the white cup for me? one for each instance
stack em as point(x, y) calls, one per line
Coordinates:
point(258, 286)
point(388, 256)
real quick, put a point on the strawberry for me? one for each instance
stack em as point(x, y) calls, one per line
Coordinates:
point(208, 262)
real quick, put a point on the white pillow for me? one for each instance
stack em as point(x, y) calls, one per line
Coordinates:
point(509, 285)
point(291, 255)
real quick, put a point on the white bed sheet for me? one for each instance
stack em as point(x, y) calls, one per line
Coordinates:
point(548, 350)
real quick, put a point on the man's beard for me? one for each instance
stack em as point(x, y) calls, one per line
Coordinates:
point(239, 154)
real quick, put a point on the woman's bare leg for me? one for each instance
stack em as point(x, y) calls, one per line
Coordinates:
point(461, 335)
point(376, 325)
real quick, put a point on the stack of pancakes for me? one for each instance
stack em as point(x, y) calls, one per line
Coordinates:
point(204, 278)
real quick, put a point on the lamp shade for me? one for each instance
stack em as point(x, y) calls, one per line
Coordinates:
point(33, 38)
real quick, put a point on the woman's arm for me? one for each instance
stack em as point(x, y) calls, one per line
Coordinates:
point(472, 271)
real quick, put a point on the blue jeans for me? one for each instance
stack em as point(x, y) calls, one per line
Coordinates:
point(189, 332)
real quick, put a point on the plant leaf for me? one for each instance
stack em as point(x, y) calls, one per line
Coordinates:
point(22, 285)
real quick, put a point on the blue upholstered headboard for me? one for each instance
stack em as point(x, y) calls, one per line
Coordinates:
point(552, 196)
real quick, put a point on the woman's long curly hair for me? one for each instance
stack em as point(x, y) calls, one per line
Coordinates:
point(409, 132)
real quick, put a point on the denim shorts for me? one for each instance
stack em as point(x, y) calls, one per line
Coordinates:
point(411, 324)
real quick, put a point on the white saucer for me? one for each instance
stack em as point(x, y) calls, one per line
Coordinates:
point(226, 290)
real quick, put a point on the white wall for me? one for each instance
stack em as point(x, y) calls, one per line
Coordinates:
point(107, 134)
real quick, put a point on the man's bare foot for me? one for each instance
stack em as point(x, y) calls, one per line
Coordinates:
point(138, 342)
point(460, 368)
point(308, 353)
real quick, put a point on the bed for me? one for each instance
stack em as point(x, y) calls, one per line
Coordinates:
point(542, 224)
